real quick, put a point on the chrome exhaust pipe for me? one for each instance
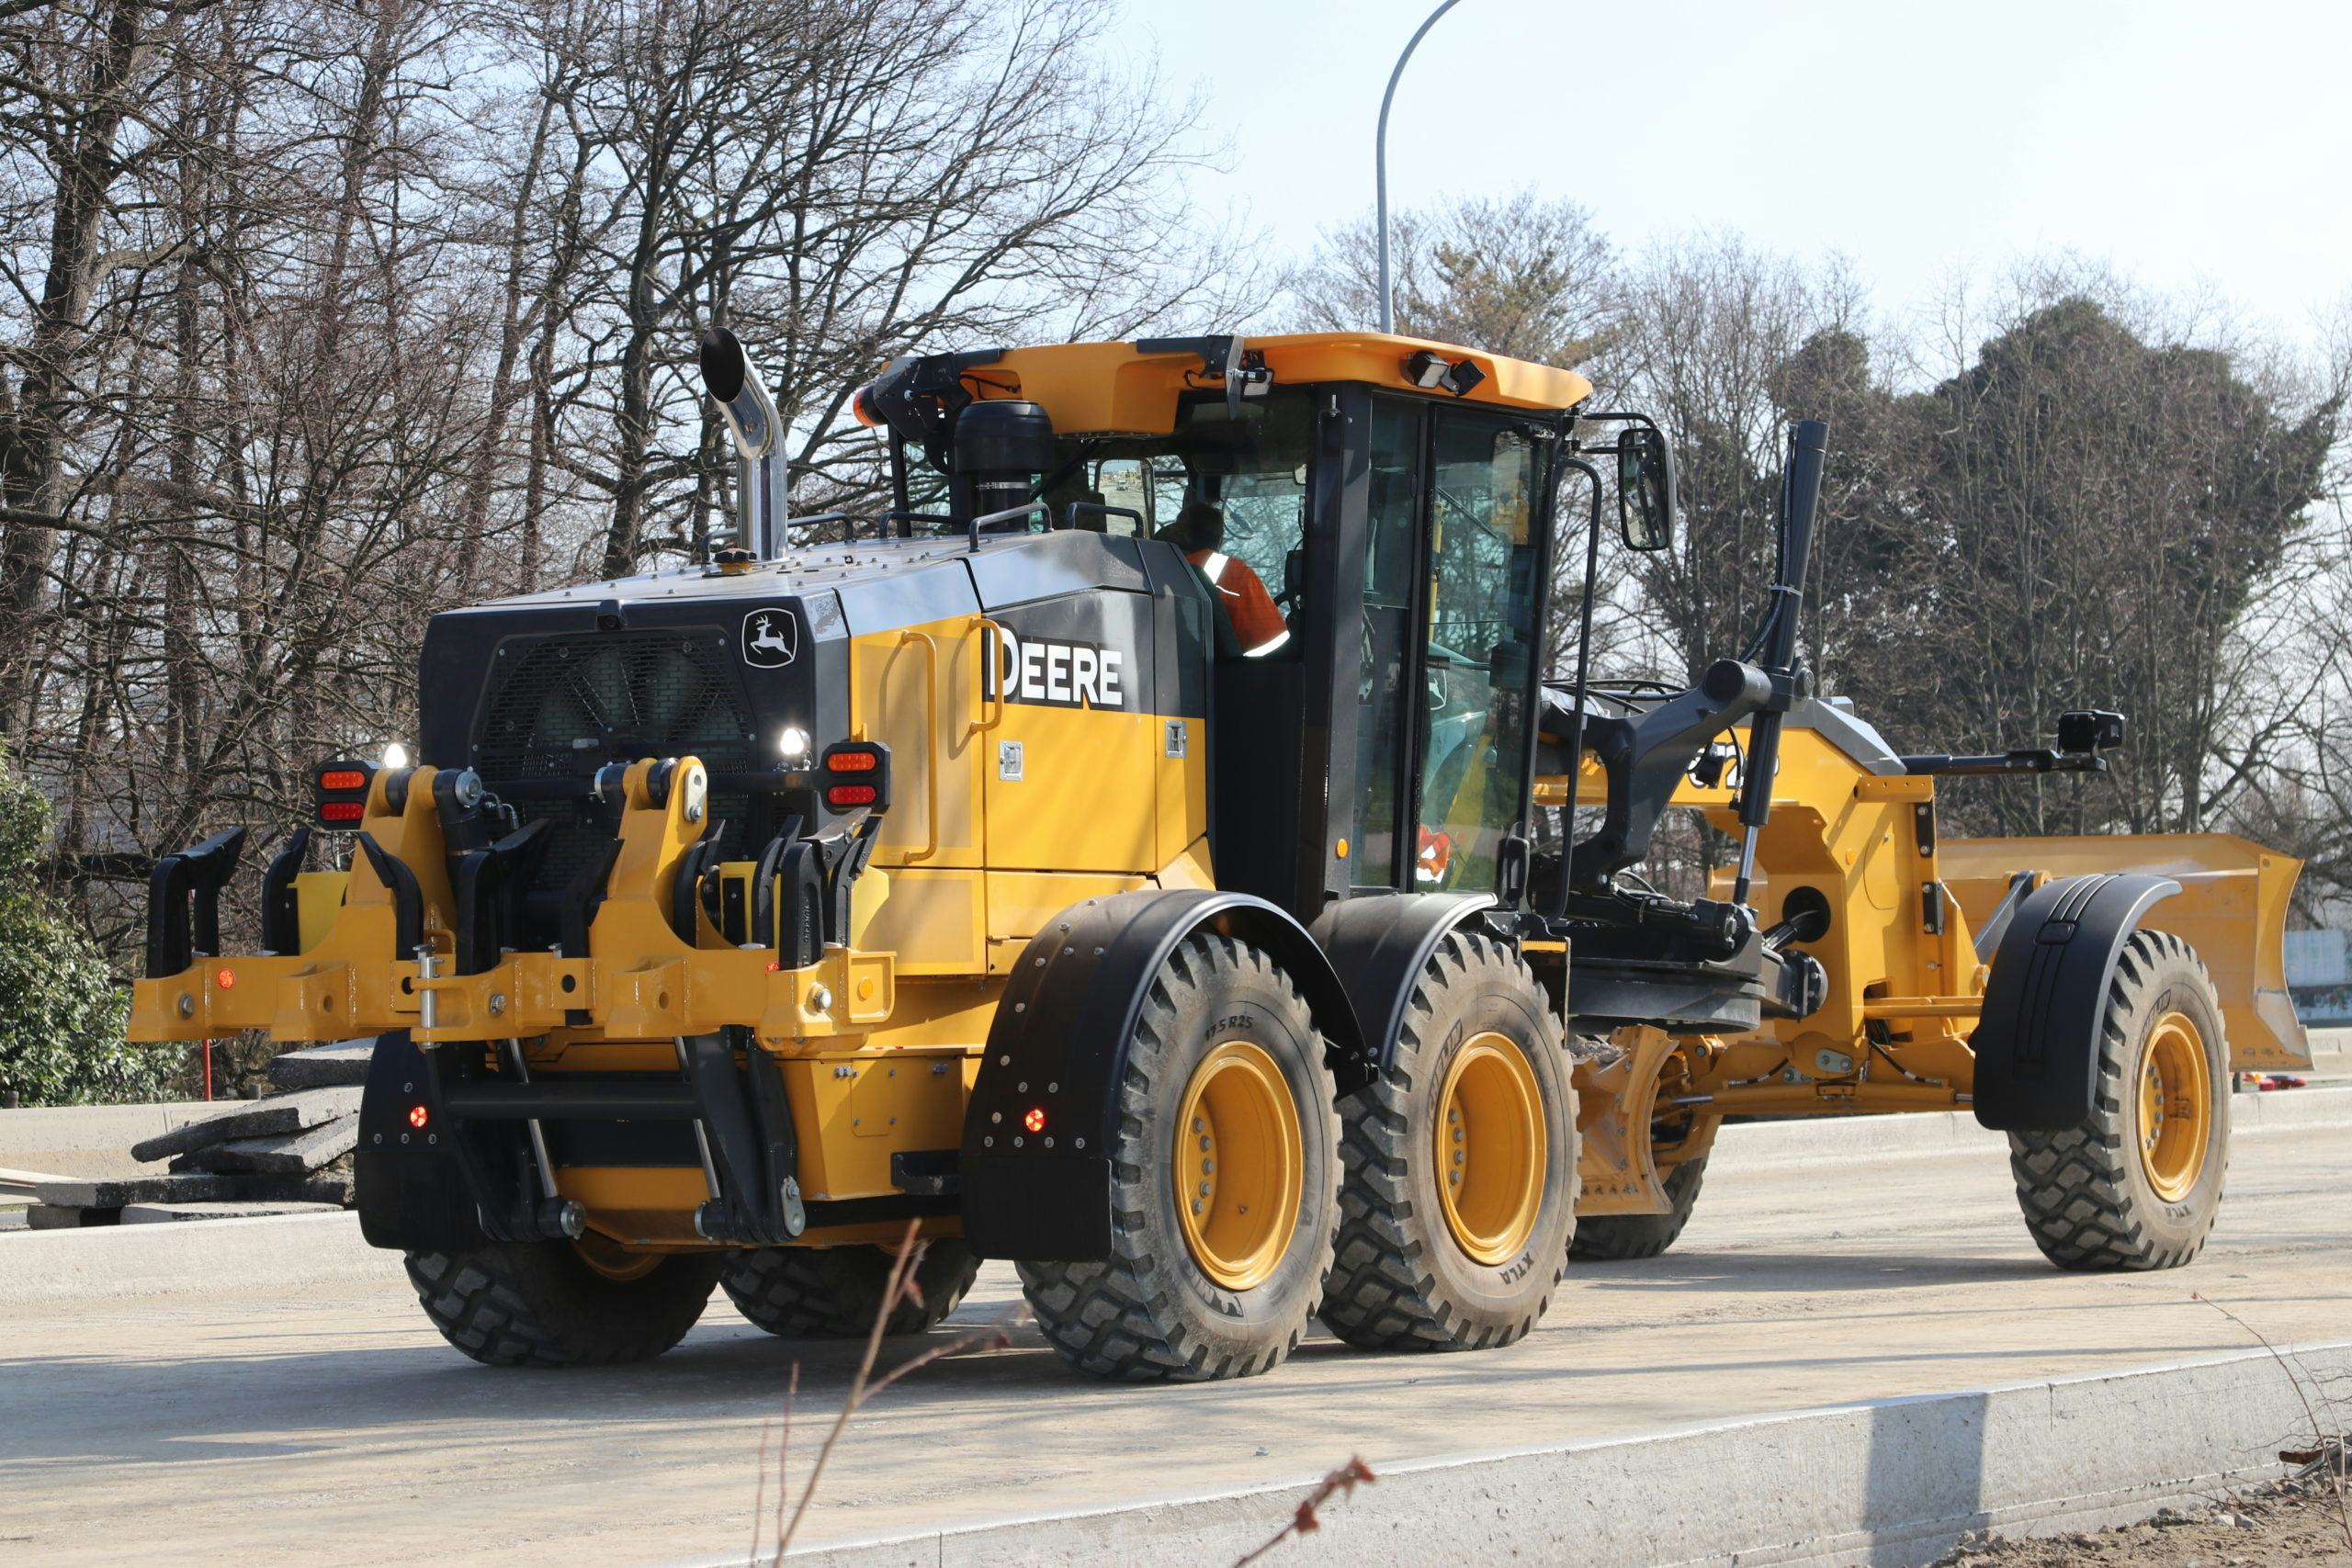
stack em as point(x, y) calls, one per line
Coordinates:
point(735, 386)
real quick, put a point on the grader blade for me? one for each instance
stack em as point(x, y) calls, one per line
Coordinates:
point(2231, 908)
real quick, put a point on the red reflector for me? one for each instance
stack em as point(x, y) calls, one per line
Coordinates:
point(342, 810)
point(1035, 1120)
point(417, 1116)
point(225, 979)
point(849, 795)
point(342, 778)
point(852, 762)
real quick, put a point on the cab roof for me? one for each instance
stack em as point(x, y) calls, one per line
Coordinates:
point(1097, 388)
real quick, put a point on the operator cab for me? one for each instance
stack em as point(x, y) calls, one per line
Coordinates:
point(1370, 716)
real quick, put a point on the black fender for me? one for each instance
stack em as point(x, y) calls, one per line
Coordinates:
point(1377, 945)
point(412, 1189)
point(1059, 1044)
point(2037, 1041)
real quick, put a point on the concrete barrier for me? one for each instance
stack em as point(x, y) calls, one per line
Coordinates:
point(2331, 1053)
point(1766, 1144)
point(90, 1140)
point(1888, 1481)
point(281, 1253)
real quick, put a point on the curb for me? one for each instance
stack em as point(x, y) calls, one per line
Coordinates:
point(272, 1254)
point(1887, 1482)
point(1769, 1144)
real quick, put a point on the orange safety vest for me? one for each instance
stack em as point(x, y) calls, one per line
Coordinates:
point(1257, 623)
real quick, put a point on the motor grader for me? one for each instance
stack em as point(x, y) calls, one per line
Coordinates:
point(959, 866)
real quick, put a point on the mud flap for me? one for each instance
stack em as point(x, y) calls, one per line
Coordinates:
point(412, 1189)
point(2036, 1043)
point(1057, 1049)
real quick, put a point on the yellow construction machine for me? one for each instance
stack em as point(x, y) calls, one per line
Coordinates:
point(1126, 856)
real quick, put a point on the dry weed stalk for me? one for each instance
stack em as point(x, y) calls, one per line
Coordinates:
point(899, 1287)
point(1306, 1520)
point(2327, 1457)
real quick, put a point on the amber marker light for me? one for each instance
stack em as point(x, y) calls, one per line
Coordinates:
point(1035, 1120)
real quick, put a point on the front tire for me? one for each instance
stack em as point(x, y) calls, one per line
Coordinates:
point(1461, 1185)
point(542, 1303)
point(832, 1292)
point(1224, 1175)
point(2136, 1184)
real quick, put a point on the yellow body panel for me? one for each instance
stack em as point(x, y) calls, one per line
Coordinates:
point(917, 690)
point(1087, 798)
point(852, 1114)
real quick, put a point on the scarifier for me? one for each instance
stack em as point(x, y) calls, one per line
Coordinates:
point(960, 865)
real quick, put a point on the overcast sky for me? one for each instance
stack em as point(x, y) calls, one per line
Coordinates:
point(2186, 144)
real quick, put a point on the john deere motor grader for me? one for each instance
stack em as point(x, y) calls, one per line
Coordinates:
point(962, 866)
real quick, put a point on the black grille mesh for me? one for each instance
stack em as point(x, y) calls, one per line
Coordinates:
point(569, 705)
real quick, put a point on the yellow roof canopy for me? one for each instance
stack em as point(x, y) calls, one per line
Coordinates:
point(1091, 389)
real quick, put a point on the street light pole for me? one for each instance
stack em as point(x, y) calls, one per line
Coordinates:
point(1380, 164)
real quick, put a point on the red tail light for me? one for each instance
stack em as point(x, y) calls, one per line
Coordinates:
point(856, 774)
point(343, 786)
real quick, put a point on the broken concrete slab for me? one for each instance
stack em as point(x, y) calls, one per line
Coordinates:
point(114, 1192)
point(288, 1153)
point(156, 1214)
point(321, 1066)
point(280, 1114)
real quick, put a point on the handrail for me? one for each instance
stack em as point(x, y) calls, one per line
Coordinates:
point(849, 534)
point(1069, 514)
point(1023, 510)
point(930, 740)
point(902, 517)
point(990, 674)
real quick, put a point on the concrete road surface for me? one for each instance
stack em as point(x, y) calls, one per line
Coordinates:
point(338, 1428)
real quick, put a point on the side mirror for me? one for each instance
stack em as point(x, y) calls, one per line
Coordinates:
point(2080, 734)
point(1645, 489)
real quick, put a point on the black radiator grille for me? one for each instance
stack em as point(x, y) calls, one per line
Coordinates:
point(569, 705)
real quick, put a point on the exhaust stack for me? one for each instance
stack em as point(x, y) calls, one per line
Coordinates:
point(735, 386)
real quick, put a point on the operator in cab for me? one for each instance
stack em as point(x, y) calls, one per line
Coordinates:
point(1199, 532)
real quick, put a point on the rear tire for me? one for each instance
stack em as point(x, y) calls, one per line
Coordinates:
point(1621, 1238)
point(1225, 1089)
point(2137, 1183)
point(1425, 1261)
point(832, 1292)
point(540, 1305)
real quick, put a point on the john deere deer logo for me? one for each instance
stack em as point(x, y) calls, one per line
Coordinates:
point(770, 638)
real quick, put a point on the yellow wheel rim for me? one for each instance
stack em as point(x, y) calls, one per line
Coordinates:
point(1490, 1146)
point(2175, 1107)
point(1238, 1170)
point(611, 1260)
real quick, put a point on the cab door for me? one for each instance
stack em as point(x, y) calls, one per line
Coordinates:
point(1453, 572)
